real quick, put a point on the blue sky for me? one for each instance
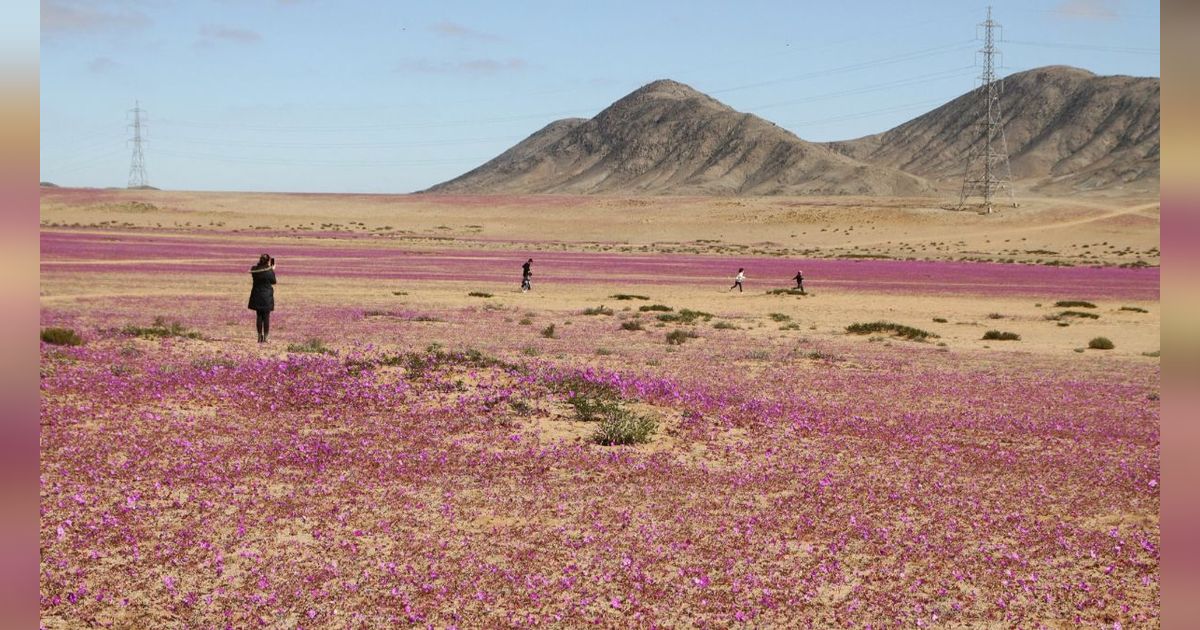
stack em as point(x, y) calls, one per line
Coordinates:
point(375, 97)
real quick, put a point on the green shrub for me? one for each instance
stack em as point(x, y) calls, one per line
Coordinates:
point(940, 320)
point(525, 321)
point(678, 336)
point(1074, 303)
point(1081, 314)
point(600, 310)
point(314, 345)
point(1135, 309)
point(1001, 336)
point(627, 296)
point(685, 316)
point(725, 326)
point(592, 407)
point(161, 329)
point(1154, 354)
point(786, 292)
point(61, 337)
point(779, 317)
point(995, 316)
point(621, 426)
point(907, 332)
point(1101, 343)
point(632, 325)
point(655, 307)
point(479, 294)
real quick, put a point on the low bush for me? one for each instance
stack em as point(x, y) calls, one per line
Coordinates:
point(655, 307)
point(1074, 304)
point(685, 316)
point(631, 325)
point(161, 329)
point(724, 326)
point(1134, 309)
point(548, 332)
point(786, 292)
point(628, 296)
point(61, 337)
point(600, 310)
point(1101, 343)
point(940, 320)
point(900, 330)
point(314, 346)
point(779, 317)
point(678, 336)
point(995, 316)
point(479, 294)
point(1082, 314)
point(1001, 336)
point(621, 426)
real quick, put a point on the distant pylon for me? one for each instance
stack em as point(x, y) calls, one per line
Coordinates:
point(137, 165)
point(987, 172)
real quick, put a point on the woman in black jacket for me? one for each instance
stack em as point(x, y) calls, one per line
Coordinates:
point(262, 295)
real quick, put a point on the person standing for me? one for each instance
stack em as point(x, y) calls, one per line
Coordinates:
point(739, 279)
point(799, 280)
point(262, 295)
point(526, 276)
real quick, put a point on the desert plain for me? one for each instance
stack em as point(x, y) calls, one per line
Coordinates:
point(422, 444)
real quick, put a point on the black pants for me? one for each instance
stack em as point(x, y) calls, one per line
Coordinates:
point(262, 322)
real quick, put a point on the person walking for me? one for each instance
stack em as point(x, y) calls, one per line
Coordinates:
point(739, 279)
point(799, 280)
point(262, 295)
point(526, 276)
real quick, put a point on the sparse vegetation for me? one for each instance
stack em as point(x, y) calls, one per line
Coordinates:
point(479, 294)
point(161, 329)
point(1101, 343)
point(313, 346)
point(940, 320)
point(1074, 304)
point(628, 296)
point(779, 317)
point(1080, 314)
point(678, 336)
point(655, 307)
point(632, 325)
point(548, 332)
point(61, 337)
point(995, 316)
point(599, 310)
point(786, 292)
point(1134, 309)
point(900, 330)
point(685, 316)
point(723, 325)
point(1001, 336)
point(621, 426)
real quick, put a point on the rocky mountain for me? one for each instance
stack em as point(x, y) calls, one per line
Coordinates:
point(667, 138)
point(1067, 130)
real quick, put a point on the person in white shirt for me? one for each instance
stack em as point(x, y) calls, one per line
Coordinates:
point(739, 279)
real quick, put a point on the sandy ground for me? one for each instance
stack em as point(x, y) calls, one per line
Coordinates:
point(1067, 230)
point(1091, 231)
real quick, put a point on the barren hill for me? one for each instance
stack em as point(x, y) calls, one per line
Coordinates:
point(1067, 130)
point(667, 138)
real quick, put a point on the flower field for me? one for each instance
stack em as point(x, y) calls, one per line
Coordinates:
point(429, 463)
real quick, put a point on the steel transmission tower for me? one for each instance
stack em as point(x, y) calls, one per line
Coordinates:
point(987, 174)
point(137, 165)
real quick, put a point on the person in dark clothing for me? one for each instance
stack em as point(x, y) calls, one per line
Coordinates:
point(526, 275)
point(799, 280)
point(262, 295)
